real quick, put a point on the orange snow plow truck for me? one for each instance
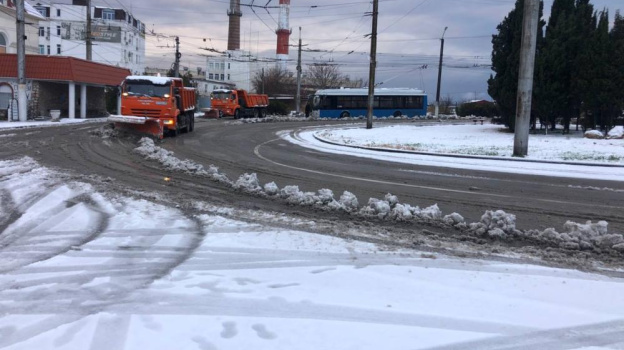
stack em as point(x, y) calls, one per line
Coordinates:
point(239, 103)
point(156, 106)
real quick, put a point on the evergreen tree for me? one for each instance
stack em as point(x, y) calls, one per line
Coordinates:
point(599, 94)
point(555, 65)
point(506, 45)
point(616, 37)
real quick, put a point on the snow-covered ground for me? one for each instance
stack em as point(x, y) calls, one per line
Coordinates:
point(88, 270)
point(47, 123)
point(479, 140)
point(481, 147)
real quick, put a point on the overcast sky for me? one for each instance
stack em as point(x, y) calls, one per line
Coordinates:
point(408, 42)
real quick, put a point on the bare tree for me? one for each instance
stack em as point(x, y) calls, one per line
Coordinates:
point(274, 81)
point(325, 76)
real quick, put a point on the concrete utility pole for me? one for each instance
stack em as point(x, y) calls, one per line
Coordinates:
point(437, 103)
point(373, 66)
point(525, 78)
point(298, 102)
point(89, 35)
point(178, 55)
point(22, 100)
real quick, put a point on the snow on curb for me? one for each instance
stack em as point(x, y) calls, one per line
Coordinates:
point(493, 224)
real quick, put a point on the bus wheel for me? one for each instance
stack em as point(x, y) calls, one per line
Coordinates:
point(345, 114)
point(397, 114)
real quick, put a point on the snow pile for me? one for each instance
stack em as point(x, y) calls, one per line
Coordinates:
point(349, 201)
point(389, 208)
point(271, 189)
point(593, 134)
point(150, 151)
point(248, 183)
point(495, 224)
point(616, 133)
point(106, 131)
point(273, 119)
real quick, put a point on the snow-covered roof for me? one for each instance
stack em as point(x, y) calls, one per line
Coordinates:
point(32, 11)
point(153, 80)
point(378, 92)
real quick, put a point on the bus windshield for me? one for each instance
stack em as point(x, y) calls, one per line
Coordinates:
point(146, 88)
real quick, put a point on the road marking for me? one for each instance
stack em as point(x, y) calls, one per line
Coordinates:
point(257, 153)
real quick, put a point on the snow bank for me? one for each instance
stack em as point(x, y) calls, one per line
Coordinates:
point(150, 151)
point(593, 134)
point(616, 133)
point(493, 224)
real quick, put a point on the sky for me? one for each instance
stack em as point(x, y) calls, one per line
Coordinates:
point(408, 42)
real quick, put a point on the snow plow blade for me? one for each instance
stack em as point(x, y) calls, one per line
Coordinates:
point(138, 125)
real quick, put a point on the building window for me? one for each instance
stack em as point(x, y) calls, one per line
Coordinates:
point(42, 49)
point(42, 11)
point(222, 66)
point(58, 30)
point(58, 12)
point(229, 77)
point(210, 76)
point(108, 14)
point(228, 65)
point(222, 77)
point(58, 49)
point(3, 43)
point(48, 49)
point(41, 31)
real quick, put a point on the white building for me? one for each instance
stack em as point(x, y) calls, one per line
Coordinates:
point(8, 31)
point(118, 38)
point(236, 68)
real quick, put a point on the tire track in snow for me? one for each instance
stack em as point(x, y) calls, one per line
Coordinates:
point(594, 335)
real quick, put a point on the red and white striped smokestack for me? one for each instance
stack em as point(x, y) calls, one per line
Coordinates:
point(235, 15)
point(283, 33)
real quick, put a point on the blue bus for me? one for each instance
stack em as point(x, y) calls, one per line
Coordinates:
point(348, 102)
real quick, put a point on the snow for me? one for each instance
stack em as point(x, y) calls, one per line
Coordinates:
point(616, 133)
point(479, 147)
point(594, 134)
point(494, 224)
point(476, 140)
point(152, 79)
point(48, 123)
point(112, 272)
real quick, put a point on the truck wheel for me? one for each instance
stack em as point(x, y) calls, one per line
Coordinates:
point(192, 124)
point(261, 113)
point(345, 114)
point(256, 113)
point(237, 114)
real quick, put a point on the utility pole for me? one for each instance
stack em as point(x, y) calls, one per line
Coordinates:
point(373, 66)
point(178, 55)
point(89, 35)
point(298, 102)
point(22, 100)
point(525, 79)
point(262, 80)
point(437, 103)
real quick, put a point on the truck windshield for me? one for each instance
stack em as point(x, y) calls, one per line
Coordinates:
point(146, 88)
point(221, 95)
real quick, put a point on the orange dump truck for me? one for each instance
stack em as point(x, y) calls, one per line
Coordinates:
point(239, 103)
point(156, 106)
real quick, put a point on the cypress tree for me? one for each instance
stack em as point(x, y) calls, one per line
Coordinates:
point(616, 37)
point(503, 86)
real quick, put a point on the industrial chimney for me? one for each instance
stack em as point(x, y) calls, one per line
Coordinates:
point(283, 34)
point(234, 30)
